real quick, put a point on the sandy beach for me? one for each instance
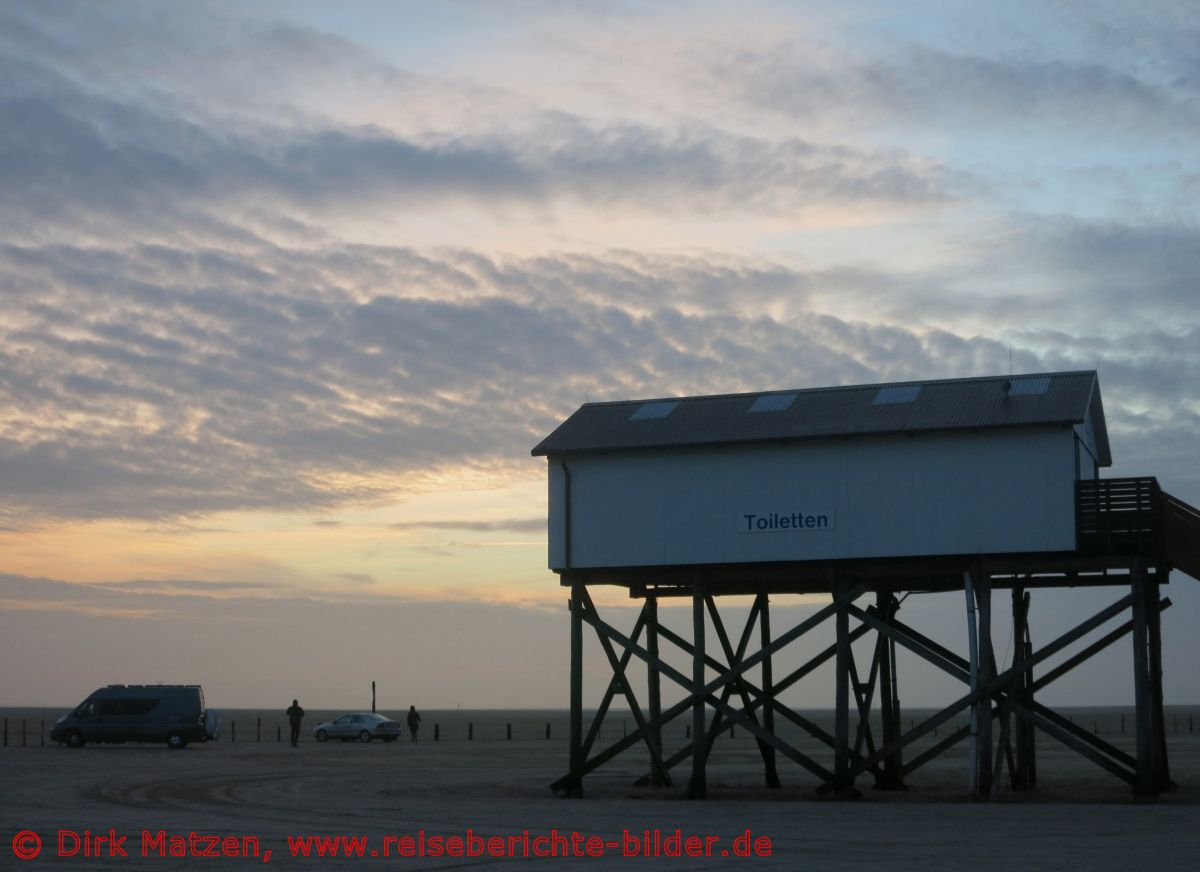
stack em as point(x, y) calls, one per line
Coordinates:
point(493, 795)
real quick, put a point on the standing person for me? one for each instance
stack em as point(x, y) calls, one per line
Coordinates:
point(295, 714)
point(414, 721)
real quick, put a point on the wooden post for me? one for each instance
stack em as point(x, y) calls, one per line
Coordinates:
point(547, 729)
point(470, 731)
point(437, 732)
point(697, 789)
point(889, 699)
point(232, 731)
point(1021, 778)
point(973, 653)
point(575, 740)
point(508, 731)
point(278, 734)
point(841, 717)
point(654, 691)
point(1162, 773)
point(258, 730)
point(770, 771)
point(6, 732)
point(1144, 784)
point(372, 697)
point(987, 671)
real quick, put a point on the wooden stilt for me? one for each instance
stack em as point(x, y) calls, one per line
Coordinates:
point(892, 772)
point(987, 671)
point(770, 773)
point(1145, 784)
point(1028, 697)
point(697, 788)
point(1162, 774)
point(658, 775)
point(843, 781)
point(1022, 691)
point(575, 779)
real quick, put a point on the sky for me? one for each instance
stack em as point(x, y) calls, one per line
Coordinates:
point(290, 290)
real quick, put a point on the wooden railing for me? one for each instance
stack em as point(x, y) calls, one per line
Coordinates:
point(1119, 516)
point(1135, 516)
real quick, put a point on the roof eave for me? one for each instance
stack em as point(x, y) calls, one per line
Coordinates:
point(540, 451)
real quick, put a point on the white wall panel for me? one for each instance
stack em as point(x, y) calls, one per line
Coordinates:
point(929, 494)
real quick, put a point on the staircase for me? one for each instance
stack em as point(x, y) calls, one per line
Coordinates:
point(1181, 528)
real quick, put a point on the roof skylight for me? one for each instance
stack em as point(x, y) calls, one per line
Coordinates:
point(895, 394)
point(652, 411)
point(772, 402)
point(1030, 386)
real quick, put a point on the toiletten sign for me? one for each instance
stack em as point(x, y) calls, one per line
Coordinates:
point(808, 521)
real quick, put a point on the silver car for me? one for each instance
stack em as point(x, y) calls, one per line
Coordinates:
point(363, 726)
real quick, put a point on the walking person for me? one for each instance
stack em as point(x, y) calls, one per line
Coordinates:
point(414, 721)
point(295, 714)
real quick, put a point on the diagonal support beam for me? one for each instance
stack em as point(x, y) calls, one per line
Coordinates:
point(1052, 729)
point(917, 643)
point(999, 682)
point(732, 658)
point(1091, 650)
point(776, 706)
point(707, 691)
point(614, 685)
point(618, 668)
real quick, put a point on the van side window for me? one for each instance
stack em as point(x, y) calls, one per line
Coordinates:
point(127, 707)
point(85, 710)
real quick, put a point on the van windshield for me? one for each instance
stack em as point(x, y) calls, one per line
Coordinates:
point(87, 709)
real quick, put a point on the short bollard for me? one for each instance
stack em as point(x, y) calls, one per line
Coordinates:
point(258, 731)
point(508, 731)
point(22, 732)
point(233, 731)
point(470, 731)
point(547, 731)
point(279, 734)
point(436, 732)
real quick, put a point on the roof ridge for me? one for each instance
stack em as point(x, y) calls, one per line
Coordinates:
point(836, 388)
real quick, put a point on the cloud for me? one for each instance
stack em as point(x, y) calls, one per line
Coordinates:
point(1078, 77)
point(71, 157)
point(514, 525)
point(184, 585)
point(187, 330)
point(163, 383)
point(91, 151)
point(356, 577)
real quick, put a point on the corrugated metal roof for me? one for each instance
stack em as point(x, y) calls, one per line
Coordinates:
point(947, 404)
